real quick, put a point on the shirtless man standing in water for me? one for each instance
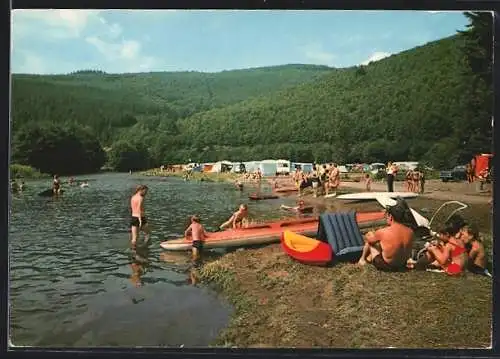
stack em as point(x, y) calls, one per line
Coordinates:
point(139, 221)
point(389, 248)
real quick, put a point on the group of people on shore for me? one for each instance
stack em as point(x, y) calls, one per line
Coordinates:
point(457, 246)
point(322, 179)
point(415, 180)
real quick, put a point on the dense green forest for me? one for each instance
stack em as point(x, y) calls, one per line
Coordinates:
point(432, 103)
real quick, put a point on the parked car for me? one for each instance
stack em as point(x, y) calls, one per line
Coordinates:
point(456, 174)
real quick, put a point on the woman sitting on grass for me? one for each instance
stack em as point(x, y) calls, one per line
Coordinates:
point(449, 253)
point(475, 250)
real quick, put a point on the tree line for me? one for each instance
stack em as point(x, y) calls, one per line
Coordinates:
point(432, 103)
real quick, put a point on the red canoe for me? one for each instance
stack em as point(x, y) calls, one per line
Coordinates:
point(314, 252)
point(254, 234)
point(259, 197)
point(264, 233)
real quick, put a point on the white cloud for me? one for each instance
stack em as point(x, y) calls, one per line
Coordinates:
point(88, 26)
point(316, 53)
point(127, 54)
point(32, 64)
point(50, 23)
point(376, 56)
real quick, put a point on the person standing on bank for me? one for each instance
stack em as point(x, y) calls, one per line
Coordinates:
point(391, 174)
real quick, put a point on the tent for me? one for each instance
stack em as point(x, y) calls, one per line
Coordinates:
point(222, 166)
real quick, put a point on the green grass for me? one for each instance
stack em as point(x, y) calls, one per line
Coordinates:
point(282, 303)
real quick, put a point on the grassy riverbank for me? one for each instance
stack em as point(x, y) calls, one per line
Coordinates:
point(282, 303)
point(25, 172)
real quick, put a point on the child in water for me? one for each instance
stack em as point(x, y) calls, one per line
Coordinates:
point(368, 182)
point(198, 235)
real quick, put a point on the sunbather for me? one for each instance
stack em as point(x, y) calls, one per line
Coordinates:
point(389, 248)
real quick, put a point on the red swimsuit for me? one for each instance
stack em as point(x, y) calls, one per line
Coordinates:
point(454, 268)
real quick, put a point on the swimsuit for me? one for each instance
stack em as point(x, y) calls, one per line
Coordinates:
point(134, 221)
point(197, 244)
point(454, 268)
point(379, 262)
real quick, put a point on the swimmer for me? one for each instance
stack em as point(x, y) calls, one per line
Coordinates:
point(13, 185)
point(236, 220)
point(56, 185)
point(139, 221)
point(84, 184)
point(239, 184)
point(300, 208)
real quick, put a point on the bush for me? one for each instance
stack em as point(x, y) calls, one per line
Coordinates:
point(22, 171)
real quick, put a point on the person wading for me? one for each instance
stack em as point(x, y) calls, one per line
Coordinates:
point(139, 221)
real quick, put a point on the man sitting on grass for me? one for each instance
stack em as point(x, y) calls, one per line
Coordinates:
point(389, 248)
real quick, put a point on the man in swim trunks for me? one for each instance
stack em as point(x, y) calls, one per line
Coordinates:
point(236, 220)
point(389, 248)
point(139, 221)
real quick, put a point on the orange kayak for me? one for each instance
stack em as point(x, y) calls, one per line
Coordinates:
point(264, 233)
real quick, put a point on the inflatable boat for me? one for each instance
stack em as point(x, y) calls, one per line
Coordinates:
point(264, 233)
point(338, 234)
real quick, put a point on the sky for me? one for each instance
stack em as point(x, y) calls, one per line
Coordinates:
point(118, 41)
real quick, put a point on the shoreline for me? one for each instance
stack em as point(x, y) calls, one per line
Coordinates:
point(434, 189)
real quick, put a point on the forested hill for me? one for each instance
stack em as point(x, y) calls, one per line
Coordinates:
point(107, 102)
point(413, 105)
point(431, 103)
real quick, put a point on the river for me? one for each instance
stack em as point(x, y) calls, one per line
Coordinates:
point(74, 281)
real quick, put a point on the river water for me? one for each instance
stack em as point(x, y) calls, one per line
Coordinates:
point(74, 281)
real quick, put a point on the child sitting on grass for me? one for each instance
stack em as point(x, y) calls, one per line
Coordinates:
point(475, 249)
point(448, 253)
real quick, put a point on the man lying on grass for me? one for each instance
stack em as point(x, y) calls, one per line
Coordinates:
point(389, 248)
